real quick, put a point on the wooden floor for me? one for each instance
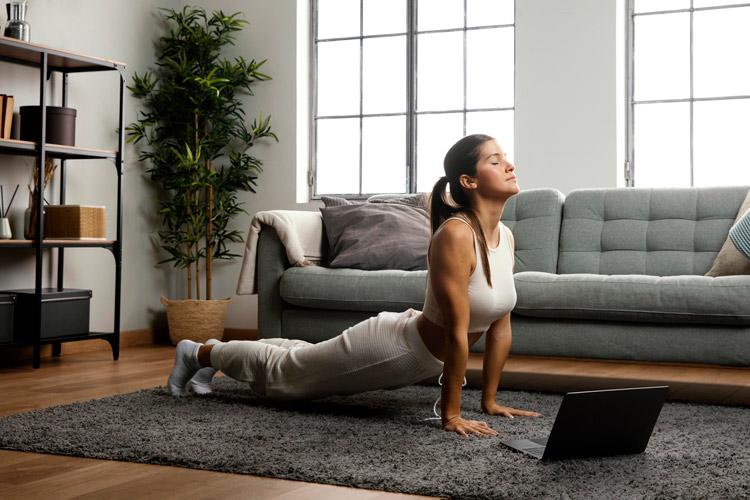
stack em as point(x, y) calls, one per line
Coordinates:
point(87, 375)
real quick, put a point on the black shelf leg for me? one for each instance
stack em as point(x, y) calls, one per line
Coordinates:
point(39, 231)
point(56, 349)
point(114, 342)
point(37, 355)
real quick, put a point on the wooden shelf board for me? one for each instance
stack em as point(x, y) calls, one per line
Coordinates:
point(50, 243)
point(16, 146)
point(58, 59)
point(75, 149)
point(78, 243)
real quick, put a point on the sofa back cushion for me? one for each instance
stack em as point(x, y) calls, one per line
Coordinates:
point(534, 218)
point(658, 232)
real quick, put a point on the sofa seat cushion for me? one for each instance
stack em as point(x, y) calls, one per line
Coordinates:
point(633, 297)
point(353, 289)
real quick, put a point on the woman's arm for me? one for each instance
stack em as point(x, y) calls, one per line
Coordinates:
point(452, 260)
point(496, 348)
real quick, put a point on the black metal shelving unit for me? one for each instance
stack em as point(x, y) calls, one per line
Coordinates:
point(48, 61)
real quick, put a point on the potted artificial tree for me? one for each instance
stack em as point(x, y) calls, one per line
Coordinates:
point(194, 126)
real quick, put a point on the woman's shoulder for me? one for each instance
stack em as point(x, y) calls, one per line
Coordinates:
point(454, 232)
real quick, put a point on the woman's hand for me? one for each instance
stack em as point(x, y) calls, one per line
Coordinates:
point(466, 427)
point(508, 412)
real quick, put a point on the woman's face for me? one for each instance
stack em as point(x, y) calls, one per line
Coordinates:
point(495, 174)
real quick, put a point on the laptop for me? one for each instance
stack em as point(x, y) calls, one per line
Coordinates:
point(598, 423)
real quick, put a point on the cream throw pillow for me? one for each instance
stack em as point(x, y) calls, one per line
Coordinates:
point(730, 261)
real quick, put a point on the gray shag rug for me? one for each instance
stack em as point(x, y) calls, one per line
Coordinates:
point(380, 440)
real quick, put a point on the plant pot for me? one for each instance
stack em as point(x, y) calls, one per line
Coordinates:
point(29, 227)
point(196, 320)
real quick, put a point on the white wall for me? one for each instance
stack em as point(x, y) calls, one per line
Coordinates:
point(567, 94)
point(566, 127)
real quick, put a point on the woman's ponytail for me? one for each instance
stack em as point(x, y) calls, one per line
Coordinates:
point(440, 210)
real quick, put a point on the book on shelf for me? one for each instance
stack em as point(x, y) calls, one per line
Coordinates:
point(2, 115)
point(6, 115)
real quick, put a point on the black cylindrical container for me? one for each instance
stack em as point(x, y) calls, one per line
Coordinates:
point(61, 124)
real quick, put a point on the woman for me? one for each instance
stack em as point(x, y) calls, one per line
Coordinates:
point(470, 291)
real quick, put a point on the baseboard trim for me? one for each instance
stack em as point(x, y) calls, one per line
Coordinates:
point(130, 338)
point(239, 334)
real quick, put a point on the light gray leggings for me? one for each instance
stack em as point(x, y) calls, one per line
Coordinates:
point(384, 352)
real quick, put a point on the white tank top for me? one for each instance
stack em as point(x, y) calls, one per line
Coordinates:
point(486, 305)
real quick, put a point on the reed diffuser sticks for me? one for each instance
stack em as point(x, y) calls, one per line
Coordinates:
point(3, 210)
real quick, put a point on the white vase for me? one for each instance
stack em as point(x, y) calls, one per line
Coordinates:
point(5, 232)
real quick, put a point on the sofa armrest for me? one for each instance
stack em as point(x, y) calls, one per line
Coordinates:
point(301, 234)
point(284, 239)
point(272, 262)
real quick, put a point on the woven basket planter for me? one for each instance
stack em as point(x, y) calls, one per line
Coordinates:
point(196, 320)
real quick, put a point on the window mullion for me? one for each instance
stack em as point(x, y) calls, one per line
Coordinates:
point(361, 89)
point(313, 168)
point(463, 113)
point(692, 103)
point(411, 95)
point(630, 165)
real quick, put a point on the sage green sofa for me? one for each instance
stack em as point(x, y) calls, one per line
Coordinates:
point(602, 273)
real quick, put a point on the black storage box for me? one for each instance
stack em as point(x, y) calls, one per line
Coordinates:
point(7, 306)
point(64, 313)
point(61, 124)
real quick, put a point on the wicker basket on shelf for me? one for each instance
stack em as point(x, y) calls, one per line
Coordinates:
point(75, 222)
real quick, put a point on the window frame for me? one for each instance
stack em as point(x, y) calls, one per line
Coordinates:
point(412, 33)
point(630, 163)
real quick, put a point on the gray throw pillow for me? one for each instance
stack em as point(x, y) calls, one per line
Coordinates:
point(337, 201)
point(730, 261)
point(375, 236)
point(415, 200)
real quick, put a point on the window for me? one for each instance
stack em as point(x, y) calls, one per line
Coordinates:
point(398, 81)
point(689, 92)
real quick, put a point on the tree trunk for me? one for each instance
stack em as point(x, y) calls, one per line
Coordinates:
point(210, 231)
point(190, 253)
point(197, 213)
